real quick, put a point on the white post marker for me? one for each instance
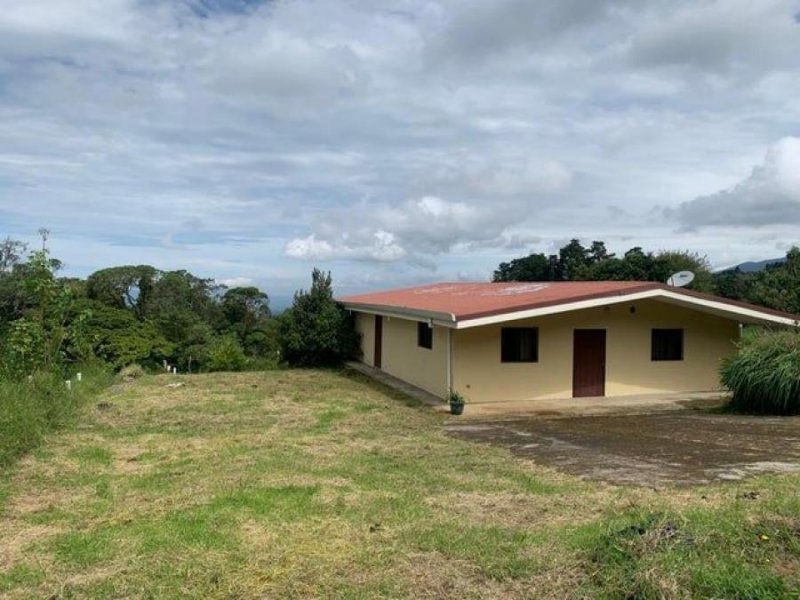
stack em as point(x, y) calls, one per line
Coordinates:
point(68, 384)
point(79, 377)
point(174, 370)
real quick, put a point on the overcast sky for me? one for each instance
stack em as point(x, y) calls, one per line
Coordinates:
point(396, 142)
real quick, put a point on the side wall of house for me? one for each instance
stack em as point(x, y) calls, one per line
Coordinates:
point(365, 325)
point(402, 357)
point(479, 374)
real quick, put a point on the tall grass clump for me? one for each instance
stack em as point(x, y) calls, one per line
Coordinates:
point(764, 376)
point(30, 408)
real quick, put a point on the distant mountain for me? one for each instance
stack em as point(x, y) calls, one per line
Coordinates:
point(754, 267)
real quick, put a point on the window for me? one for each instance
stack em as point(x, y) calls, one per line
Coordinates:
point(667, 344)
point(519, 344)
point(424, 336)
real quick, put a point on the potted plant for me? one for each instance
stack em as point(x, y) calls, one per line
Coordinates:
point(456, 403)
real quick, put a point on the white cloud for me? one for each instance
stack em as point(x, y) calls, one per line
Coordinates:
point(237, 282)
point(380, 247)
point(310, 248)
point(769, 196)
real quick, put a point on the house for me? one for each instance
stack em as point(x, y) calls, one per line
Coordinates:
point(518, 341)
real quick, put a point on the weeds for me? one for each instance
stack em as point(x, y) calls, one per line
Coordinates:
point(29, 409)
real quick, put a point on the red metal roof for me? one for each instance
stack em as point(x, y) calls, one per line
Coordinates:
point(474, 300)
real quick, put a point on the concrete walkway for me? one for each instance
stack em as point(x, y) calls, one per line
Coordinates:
point(556, 407)
point(608, 405)
point(399, 385)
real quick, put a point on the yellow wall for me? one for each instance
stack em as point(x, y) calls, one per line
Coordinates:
point(481, 377)
point(402, 357)
point(365, 325)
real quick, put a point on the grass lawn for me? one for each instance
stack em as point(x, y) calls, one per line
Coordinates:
point(301, 484)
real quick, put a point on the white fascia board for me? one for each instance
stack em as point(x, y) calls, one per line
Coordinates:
point(740, 313)
point(736, 313)
point(553, 309)
point(440, 319)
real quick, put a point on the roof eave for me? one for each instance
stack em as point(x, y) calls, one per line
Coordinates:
point(742, 314)
point(443, 319)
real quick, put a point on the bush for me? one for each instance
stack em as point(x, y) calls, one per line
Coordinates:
point(764, 376)
point(30, 409)
point(131, 372)
point(224, 353)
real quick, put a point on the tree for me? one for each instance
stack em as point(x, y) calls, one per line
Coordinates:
point(316, 330)
point(575, 262)
point(778, 286)
point(11, 254)
point(123, 287)
point(42, 334)
point(535, 267)
point(245, 308)
point(117, 337)
point(598, 252)
point(733, 284)
point(180, 302)
point(668, 262)
point(573, 259)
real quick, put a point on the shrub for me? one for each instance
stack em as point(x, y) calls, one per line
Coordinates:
point(224, 353)
point(133, 371)
point(764, 376)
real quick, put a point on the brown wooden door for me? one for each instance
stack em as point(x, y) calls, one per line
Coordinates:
point(589, 363)
point(378, 341)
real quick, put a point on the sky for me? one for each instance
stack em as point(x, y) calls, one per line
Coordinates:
point(396, 142)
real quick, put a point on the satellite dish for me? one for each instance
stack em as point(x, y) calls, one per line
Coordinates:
point(680, 279)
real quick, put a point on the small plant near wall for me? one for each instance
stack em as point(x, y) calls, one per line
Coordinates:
point(457, 402)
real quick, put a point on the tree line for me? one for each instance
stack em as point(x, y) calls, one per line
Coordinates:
point(137, 314)
point(776, 287)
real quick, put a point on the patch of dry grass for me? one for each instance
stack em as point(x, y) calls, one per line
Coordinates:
point(315, 484)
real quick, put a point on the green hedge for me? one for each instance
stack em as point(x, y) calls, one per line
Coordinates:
point(30, 409)
point(764, 376)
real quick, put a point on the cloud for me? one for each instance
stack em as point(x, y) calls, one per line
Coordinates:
point(716, 36)
point(381, 247)
point(419, 227)
point(476, 31)
point(769, 196)
point(247, 139)
point(236, 282)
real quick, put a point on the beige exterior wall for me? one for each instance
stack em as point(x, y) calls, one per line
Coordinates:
point(365, 325)
point(402, 357)
point(481, 377)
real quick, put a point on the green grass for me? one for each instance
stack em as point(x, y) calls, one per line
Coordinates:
point(31, 409)
point(83, 548)
point(298, 484)
point(21, 575)
point(704, 553)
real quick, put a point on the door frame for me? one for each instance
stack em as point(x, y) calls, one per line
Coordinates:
point(603, 357)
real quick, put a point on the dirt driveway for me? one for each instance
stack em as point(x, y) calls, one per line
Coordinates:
point(683, 448)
